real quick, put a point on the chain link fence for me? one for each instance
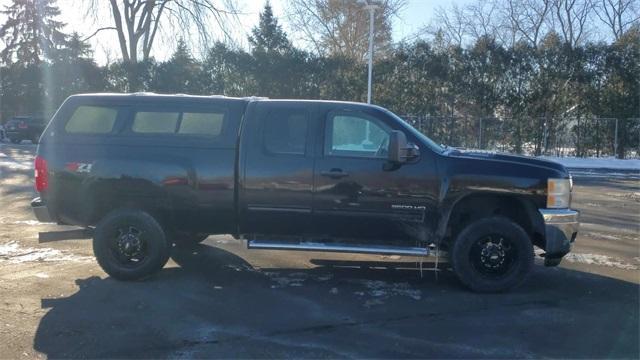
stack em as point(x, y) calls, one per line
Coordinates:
point(575, 136)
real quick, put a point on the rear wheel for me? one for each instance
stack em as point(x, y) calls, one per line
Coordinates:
point(130, 245)
point(492, 255)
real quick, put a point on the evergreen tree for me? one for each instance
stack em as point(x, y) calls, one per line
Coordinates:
point(180, 74)
point(31, 33)
point(268, 36)
point(73, 71)
point(228, 71)
point(74, 49)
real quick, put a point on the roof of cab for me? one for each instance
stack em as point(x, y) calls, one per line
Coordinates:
point(154, 96)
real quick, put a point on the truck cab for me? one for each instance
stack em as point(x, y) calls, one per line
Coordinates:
point(146, 171)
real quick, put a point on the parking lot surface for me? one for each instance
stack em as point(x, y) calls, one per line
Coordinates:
point(219, 299)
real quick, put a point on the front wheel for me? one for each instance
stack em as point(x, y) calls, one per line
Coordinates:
point(130, 245)
point(492, 255)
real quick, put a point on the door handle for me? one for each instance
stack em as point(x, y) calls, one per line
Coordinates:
point(334, 173)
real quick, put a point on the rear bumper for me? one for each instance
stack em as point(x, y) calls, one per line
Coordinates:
point(561, 229)
point(41, 210)
point(16, 135)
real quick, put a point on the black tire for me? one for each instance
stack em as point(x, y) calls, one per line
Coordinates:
point(35, 139)
point(130, 245)
point(492, 255)
point(189, 239)
point(16, 141)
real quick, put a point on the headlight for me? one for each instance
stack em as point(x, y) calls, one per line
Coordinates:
point(558, 193)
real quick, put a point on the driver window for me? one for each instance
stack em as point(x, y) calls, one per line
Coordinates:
point(355, 134)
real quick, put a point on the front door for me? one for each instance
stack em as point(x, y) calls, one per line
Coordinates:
point(357, 196)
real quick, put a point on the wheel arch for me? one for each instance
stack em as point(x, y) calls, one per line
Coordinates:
point(101, 201)
point(476, 206)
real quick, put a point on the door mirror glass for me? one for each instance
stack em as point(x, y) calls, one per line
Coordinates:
point(401, 151)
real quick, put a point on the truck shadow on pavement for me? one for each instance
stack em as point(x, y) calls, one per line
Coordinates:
point(216, 305)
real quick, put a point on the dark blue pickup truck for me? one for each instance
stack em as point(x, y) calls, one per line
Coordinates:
point(147, 171)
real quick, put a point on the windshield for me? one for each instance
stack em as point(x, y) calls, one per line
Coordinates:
point(432, 144)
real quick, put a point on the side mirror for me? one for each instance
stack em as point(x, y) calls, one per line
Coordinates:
point(400, 151)
point(397, 147)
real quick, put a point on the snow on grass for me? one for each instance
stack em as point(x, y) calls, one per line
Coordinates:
point(13, 253)
point(595, 163)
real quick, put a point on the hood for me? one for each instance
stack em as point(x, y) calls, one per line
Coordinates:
point(524, 160)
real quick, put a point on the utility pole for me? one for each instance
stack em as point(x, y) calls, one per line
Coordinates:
point(372, 9)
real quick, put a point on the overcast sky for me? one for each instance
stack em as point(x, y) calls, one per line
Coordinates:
point(413, 17)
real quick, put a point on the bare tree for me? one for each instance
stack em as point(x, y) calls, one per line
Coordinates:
point(482, 19)
point(137, 22)
point(342, 26)
point(571, 17)
point(452, 23)
point(527, 18)
point(618, 15)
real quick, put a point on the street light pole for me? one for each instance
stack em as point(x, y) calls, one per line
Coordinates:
point(372, 8)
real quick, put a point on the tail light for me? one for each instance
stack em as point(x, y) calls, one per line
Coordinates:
point(41, 174)
point(22, 125)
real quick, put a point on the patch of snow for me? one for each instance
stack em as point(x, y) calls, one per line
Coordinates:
point(29, 222)
point(633, 196)
point(324, 277)
point(595, 163)
point(16, 165)
point(372, 302)
point(593, 204)
point(597, 235)
point(13, 253)
point(382, 290)
point(292, 280)
point(242, 267)
point(601, 260)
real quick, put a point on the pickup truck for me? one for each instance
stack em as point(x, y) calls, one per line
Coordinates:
point(146, 171)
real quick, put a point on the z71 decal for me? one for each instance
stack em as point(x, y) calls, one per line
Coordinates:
point(79, 167)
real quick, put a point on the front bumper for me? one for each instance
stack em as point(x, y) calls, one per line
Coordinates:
point(561, 229)
point(41, 210)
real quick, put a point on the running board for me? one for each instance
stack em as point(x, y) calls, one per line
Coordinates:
point(343, 248)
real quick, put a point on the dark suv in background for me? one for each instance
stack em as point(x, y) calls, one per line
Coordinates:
point(20, 128)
